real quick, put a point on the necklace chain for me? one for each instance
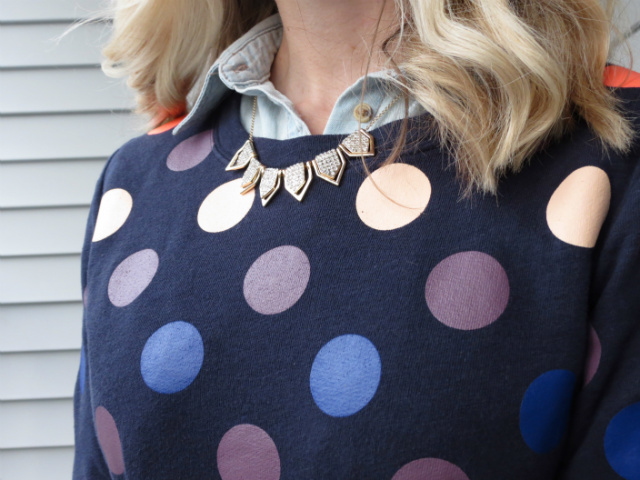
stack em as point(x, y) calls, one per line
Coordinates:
point(329, 165)
point(253, 117)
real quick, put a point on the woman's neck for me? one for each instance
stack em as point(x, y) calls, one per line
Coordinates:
point(325, 49)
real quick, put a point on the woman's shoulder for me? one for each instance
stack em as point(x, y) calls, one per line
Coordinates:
point(582, 150)
point(159, 150)
point(625, 85)
point(617, 76)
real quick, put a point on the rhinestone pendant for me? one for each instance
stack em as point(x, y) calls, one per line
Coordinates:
point(242, 157)
point(330, 166)
point(297, 179)
point(358, 144)
point(251, 175)
point(269, 184)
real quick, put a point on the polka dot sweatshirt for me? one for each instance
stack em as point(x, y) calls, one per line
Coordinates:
point(346, 337)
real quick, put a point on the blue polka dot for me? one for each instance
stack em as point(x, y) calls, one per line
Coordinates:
point(83, 370)
point(172, 357)
point(345, 375)
point(622, 443)
point(545, 410)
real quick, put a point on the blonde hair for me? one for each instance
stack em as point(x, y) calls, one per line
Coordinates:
point(501, 79)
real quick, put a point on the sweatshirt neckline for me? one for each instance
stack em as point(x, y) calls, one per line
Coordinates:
point(229, 135)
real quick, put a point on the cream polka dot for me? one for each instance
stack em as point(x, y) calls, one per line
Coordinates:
point(405, 184)
point(579, 206)
point(224, 207)
point(115, 206)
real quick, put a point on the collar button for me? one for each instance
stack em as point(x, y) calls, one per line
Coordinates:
point(363, 112)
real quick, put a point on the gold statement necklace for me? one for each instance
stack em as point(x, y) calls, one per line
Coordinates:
point(328, 165)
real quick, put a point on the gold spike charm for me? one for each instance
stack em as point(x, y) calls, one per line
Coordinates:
point(297, 179)
point(243, 156)
point(358, 144)
point(269, 184)
point(251, 175)
point(330, 166)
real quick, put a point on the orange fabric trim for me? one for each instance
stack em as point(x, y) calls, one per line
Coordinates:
point(167, 126)
point(621, 77)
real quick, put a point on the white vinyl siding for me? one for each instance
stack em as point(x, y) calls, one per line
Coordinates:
point(34, 11)
point(41, 231)
point(60, 119)
point(49, 90)
point(63, 135)
point(40, 326)
point(39, 48)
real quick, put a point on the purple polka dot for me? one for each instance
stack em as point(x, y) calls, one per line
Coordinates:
point(190, 152)
point(85, 297)
point(277, 280)
point(594, 351)
point(430, 469)
point(467, 290)
point(109, 440)
point(247, 452)
point(132, 276)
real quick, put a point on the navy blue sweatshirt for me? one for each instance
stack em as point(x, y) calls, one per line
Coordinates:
point(345, 337)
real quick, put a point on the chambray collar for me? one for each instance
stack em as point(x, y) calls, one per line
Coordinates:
point(233, 64)
point(245, 67)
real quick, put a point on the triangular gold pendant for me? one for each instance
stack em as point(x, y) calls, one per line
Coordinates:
point(330, 166)
point(269, 184)
point(242, 157)
point(297, 179)
point(358, 144)
point(251, 175)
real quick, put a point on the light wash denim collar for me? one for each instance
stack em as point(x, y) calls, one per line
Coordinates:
point(245, 67)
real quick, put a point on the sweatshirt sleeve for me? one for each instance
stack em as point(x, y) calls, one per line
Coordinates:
point(89, 463)
point(604, 439)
